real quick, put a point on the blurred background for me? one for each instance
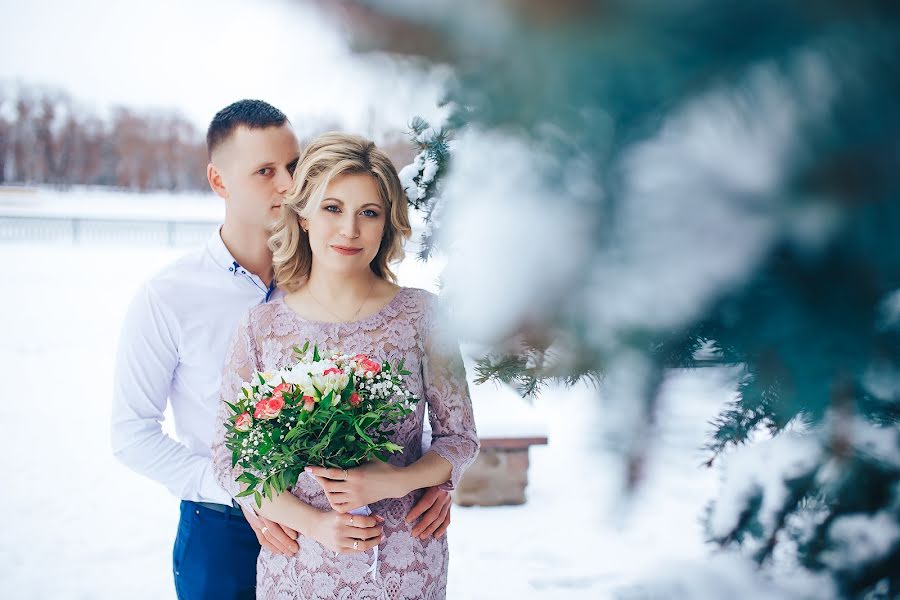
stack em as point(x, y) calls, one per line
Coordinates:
point(668, 234)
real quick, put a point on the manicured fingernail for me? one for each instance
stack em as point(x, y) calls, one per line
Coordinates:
point(379, 518)
point(307, 469)
point(383, 539)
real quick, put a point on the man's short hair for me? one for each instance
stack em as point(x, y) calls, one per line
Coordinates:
point(253, 114)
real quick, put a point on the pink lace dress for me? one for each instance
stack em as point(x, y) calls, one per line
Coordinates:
point(404, 329)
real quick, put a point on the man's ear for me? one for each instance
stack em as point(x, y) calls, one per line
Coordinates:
point(215, 181)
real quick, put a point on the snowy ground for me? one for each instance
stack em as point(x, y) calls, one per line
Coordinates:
point(78, 525)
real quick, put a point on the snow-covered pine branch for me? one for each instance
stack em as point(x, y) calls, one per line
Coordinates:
point(421, 179)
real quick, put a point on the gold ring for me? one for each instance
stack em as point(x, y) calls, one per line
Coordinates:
point(346, 475)
point(356, 545)
point(351, 519)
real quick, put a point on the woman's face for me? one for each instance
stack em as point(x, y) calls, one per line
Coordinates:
point(346, 228)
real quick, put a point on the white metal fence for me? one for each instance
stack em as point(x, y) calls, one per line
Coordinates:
point(89, 230)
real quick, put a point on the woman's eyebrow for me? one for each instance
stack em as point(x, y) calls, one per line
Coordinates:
point(339, 201)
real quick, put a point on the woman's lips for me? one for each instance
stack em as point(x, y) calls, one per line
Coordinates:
point(347, 251)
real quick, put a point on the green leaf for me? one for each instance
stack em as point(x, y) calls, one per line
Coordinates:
point(247, 492)
point(316, 356)
point(293, 433)
point(362, 433)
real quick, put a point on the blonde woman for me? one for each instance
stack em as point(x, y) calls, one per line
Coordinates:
point(342, 225)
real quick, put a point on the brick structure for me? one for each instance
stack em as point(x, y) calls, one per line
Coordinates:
point(500, 473)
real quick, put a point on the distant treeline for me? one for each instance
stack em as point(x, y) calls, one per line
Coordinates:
point(48, 138)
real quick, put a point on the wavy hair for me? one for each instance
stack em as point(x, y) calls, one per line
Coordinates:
point(327, 157)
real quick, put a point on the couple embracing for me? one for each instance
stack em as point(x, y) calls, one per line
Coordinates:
point(304, 254)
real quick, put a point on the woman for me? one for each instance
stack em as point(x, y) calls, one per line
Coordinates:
point(341, 226)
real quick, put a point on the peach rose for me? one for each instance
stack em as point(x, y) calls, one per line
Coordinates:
point(283, 388)
point(369, 365)
point(242, 422)
point(269, 409)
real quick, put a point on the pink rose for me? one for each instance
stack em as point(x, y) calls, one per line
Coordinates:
point(360, 357)
point(367, 364)
point(354, 400)
point(242, 422)
point(309, 403)
point(334, 370)
point(282, 389)
point(269, 409)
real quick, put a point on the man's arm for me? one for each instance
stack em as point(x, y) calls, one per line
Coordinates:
point(145, 365)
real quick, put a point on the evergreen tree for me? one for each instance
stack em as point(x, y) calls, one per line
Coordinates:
point(744, 162)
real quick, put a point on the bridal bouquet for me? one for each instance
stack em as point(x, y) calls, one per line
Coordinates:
point(327, 409)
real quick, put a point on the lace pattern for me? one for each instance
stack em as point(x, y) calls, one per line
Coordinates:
point(408, 568)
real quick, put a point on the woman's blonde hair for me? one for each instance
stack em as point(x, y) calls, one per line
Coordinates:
point(329, 156)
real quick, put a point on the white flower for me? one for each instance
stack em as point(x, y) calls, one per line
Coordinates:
point(298, 377)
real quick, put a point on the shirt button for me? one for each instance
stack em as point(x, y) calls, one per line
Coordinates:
point(197, 511)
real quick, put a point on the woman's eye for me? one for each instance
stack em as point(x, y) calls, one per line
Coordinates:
point(265, 171)
point(370, 213)
point(332, 208)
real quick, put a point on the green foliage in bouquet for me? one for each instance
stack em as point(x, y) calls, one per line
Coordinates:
point(338, 420)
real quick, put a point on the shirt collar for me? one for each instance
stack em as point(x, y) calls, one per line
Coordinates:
point(223, 258)
point(217, 250)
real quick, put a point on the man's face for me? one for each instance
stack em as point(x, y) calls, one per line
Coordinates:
point(256, 169)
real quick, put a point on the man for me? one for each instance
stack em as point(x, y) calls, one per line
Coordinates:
point(172, 349)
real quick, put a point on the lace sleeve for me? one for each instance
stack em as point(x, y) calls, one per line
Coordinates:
point(240, 363)
point(449, 406)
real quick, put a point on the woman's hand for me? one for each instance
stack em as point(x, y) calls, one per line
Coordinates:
point(346, 534)
point(347, 489)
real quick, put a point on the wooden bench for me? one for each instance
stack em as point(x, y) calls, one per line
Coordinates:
point(499, 475)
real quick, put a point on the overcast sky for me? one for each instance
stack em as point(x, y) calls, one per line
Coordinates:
point(198, 56)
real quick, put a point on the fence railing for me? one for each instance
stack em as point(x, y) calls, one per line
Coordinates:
point(90, 230)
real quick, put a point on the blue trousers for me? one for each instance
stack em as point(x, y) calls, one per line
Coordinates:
point(214, 557)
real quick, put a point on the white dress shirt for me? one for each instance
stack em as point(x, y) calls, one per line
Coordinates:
point(172, 350)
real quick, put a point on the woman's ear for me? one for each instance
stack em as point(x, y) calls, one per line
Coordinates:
point(303, 225)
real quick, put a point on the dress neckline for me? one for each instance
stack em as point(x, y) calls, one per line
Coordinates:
point(280, 302)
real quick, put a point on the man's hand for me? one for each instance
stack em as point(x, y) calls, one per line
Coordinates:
point(434, 508)
point(275, 538)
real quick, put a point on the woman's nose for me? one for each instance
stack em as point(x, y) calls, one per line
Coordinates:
point(349, 228)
